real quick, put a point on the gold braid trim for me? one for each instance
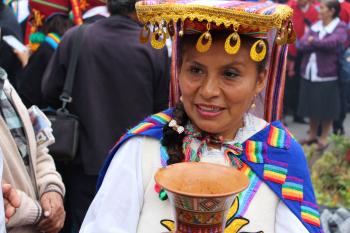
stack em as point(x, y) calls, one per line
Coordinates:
point(229, 17)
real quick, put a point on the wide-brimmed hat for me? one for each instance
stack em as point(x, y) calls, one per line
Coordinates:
point(266, 21)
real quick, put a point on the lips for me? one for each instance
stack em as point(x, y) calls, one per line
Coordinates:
point(209, 111)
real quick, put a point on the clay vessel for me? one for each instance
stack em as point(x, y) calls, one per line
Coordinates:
point(201, 194)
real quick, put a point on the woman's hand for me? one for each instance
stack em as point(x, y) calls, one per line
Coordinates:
point(11, 201)
point(23, 56)
point(54, 214)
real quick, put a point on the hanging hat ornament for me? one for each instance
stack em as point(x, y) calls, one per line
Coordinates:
point(268, 22)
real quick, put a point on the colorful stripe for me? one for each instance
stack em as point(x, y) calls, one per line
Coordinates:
point(164, 156)
point(254, 151)
point(310, 214)
point(278, 138)
point(292, 189)
point(246, 197)
point(141, 128)
point(161, 117)
point(53, 40)
point(275, 172)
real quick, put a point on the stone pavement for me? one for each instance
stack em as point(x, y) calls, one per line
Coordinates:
point(300, 130)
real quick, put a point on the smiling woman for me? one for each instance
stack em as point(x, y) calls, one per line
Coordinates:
point(226, 55)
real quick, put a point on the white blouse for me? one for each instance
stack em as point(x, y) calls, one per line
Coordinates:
point(127, 203)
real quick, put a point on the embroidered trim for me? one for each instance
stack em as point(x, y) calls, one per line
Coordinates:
point(53, 40)
point(278, 138)
point(275, 171)
point(255, 151)
point(292, 189)
point(142, 127)
point(310, 213)
point(229, 17)
point(248, 194)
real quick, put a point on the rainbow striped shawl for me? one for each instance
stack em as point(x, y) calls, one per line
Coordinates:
point(272, 154)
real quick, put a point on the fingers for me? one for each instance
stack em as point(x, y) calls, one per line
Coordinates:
point(11, 195)
point(54, 214)
point(53, 223)
point(9, 210)
point(46, 205)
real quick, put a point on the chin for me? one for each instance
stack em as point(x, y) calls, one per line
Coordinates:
point(209, 126)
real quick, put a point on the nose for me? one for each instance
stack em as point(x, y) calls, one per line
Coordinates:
point(210, 87)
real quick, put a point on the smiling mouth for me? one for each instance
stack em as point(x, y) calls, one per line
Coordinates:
point(209, 108)
point(209, 111)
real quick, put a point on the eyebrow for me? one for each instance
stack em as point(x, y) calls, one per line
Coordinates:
point(229, 65)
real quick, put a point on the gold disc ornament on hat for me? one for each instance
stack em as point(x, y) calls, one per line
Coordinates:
point(258, 51)
point(158, 38)
point(201, 46)
point(234, 37)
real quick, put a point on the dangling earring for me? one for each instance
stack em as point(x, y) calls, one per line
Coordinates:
point(235, 38)
point(254, 54)
point(144, 38)
point(200, 46)
point(253, 106)
point(181, 99)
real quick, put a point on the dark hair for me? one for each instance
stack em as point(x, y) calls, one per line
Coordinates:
point(121, 7)
point(57, 24)
point(171, 139)
point(333, 4)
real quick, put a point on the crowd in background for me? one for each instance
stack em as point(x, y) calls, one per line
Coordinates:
point(119, 81)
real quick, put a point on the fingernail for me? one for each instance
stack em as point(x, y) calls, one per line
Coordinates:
point(46, 213)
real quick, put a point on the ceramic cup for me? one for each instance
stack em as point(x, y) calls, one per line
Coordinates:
point(201, 194)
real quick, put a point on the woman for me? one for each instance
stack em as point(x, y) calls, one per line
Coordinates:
point(52, 22)
point(319, 94)
point(222, 73)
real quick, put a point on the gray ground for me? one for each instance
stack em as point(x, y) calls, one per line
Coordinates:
point(300, 130)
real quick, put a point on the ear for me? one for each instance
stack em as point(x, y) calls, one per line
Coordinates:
point(261, 81)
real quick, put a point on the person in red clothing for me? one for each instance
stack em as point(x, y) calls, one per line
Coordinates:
point(345, 12)
point(305, 14)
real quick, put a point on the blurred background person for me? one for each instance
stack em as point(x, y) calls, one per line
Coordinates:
point(93, 10)
point(118, 82)
point(319, 98)
point(28, 168)
point(51, 21)
point(304, 15)
point(8, 59)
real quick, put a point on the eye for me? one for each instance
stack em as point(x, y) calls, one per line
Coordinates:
point(230, 73)
point(196, 70)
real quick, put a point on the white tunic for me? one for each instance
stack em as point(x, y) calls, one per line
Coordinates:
point(128, 203)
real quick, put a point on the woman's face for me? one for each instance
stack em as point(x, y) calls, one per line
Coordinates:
point(325, 13)
point(218, 88)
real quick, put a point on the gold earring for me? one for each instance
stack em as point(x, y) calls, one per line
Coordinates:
point(233, 37)
point(155, 42)
point(254, 54)
point(200, 46)
point(144, 39)
point(253, 106)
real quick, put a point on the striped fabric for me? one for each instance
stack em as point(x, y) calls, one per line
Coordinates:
point(13, 121)
point(292, 189)
point(310, 214)
point(254, 151)
point(275, 172)
point(53, 40)
point(278, 138)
